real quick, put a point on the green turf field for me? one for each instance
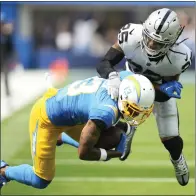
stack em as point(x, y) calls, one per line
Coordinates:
point(147, 171)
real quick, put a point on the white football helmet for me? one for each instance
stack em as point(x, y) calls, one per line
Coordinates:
point(136, 99)
point(160, 31)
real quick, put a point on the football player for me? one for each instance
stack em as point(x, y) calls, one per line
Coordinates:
point(82, 109)
point(152, 49)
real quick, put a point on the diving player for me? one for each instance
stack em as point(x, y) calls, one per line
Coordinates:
point(152, 50)
point(82, 108)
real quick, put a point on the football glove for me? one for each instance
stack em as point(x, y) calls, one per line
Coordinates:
point(172, 89)
point(113, 85)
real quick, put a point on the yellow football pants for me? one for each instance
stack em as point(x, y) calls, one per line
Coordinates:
point(44, 135)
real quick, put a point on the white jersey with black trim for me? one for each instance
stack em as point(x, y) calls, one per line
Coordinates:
point(176, 61)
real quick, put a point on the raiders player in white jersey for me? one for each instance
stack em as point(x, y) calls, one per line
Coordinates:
point(152, 50)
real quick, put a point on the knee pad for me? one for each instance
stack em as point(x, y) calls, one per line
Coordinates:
point(174, 146)
point(39, 183)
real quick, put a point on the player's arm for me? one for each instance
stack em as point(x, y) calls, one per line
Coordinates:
point(112, 58)
point(172, 88)
point(88, 139)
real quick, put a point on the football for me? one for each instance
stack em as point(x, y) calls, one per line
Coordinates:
point(109, 138)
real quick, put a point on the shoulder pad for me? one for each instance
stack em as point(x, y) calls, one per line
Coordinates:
point(129, 37)
point(181, 56)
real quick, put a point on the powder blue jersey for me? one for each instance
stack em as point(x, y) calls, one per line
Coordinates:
point(82, 100)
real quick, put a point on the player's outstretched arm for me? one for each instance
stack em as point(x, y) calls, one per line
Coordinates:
point(112, 58)
point(171, 88)
point(167, 79)
point(88, 139)
point(106, 69)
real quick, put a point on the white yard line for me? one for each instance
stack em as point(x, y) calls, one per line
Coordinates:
point(118, 179)
point(134, 163)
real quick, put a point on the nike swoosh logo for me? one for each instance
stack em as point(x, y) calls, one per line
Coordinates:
point(168, 88)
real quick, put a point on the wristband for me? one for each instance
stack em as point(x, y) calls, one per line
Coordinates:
point(103, 156)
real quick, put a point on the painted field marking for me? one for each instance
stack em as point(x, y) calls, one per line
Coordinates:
point(150, 163)
point(119, 179)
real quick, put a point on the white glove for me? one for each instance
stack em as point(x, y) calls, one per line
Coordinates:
point(113, 85)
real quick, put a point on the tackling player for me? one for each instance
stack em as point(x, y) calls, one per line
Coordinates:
point(82, 109)
point(152, 50)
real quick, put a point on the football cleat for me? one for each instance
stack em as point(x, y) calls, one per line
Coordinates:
point(127, 150)
point(181, 170)
point(3, 179)
point(121, 145)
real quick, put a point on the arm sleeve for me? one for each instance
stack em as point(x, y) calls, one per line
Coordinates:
point(106, 66)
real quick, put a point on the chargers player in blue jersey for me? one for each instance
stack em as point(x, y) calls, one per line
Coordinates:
point(83, 110)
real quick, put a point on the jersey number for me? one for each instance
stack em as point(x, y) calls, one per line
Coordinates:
point(123, 34)
point(85, 86)
point(148, 73)
point(187, 64)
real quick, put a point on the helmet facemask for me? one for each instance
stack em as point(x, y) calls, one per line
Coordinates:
point(154, 47)
point(132, 113)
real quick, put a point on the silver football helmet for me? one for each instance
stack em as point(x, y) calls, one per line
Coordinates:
point(160, 31)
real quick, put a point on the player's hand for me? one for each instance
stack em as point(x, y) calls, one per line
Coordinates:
point(172, 89)
point(113, 85)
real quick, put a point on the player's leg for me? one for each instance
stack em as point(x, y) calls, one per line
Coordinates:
point(43, 145)
point(23, 173)
point(167, 119)
point(71, 135)
point(66, 139)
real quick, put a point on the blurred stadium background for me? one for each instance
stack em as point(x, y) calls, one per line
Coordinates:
point(69, 39)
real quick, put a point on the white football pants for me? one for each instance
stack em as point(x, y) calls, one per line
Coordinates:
point(166, 114)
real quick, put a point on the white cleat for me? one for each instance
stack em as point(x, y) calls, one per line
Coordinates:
point(181, 170)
